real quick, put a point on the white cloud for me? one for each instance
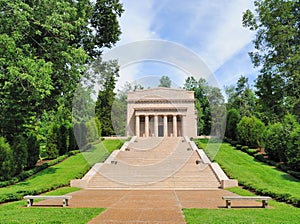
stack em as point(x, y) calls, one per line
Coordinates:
point(213, 29)
point(218, 24)
point(136, 21)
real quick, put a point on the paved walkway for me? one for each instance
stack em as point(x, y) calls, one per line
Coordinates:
point(146, 206)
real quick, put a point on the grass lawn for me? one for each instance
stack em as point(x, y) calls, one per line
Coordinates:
point(61, 174)
point(278, 212)
point(17, 212)
point(256, 175)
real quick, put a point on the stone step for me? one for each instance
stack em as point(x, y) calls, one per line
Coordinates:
point(163, 163)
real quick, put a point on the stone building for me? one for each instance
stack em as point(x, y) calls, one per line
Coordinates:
point(161, 112)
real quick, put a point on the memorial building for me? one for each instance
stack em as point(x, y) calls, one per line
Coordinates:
point(161, 112)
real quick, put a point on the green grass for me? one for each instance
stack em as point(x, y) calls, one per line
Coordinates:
point(278, 212)
point(17, 212)
point(60, 174)
point(258, 176)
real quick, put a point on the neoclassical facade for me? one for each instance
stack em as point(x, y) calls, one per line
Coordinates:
point(161, 112)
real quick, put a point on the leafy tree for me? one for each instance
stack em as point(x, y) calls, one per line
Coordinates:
point(33, 148)
point(275, 142)
point(165, 81)
point(119, 107)
point(241, 98)
point(233, 118)
point(281, 142)
point(202, 105)
point(20, 153)
point(108, 74)
point(218, 111)
point(250, 131)
point(293, 150)
point(6, 160)
point(277, 44)
point(45, 47)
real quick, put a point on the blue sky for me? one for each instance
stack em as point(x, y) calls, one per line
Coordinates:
point(212, 29)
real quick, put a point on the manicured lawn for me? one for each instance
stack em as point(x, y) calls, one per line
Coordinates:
point(16, 212)
point(278, 212)
point(256, 175)
point(61, 174)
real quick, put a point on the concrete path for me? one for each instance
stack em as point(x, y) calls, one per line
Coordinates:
point(146, 206)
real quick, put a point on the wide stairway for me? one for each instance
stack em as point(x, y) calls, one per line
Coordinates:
point(154, 163)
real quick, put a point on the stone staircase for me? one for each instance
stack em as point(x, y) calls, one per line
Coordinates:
point(154, 163)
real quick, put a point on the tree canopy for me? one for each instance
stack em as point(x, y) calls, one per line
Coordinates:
point(277, 44)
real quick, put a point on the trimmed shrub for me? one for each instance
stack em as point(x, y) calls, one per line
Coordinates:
point(293, 150)
point(275, 142)
point(250, 132)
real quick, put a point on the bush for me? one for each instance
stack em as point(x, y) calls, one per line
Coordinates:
point(250, 132)
point(275, 142)
point(293, 150)
point(233, 118)
point(33, 148)
point(6, 160)
point(20, 153)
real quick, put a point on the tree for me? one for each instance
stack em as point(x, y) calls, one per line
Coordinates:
point(165, 81)
point(275, 142)
point(209, 103)
point(119, 107)
point(33, 148)
point(7, 168)
point(277, 44)
point(45, 47)
point(20, 153)
point(107, 73)
point(218, 111)
point(241, 98)
point(250, 131)
point(293, 150)
point(233, 118)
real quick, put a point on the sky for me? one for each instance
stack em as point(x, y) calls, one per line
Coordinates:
point(210, 29)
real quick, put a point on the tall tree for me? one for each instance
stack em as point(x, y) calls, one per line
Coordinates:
point(45, 47)
point(165, 81)
point(108, 72)
point(209, 103)
point(119, 108)
point(277, 43)
point(241, 97)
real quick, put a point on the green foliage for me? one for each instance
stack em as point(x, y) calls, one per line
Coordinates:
point(276, 23)
point(6, 160)
point(241, 97)
point(45, 47)
point(60, 174)
point(108, 73)
point(33, 149)
point(293, 150)
point(209, 104)
point(20, 153)
point(52, 141)
point(250, 131)
point(165, 81)
point(275, 142)
point(233, 118)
